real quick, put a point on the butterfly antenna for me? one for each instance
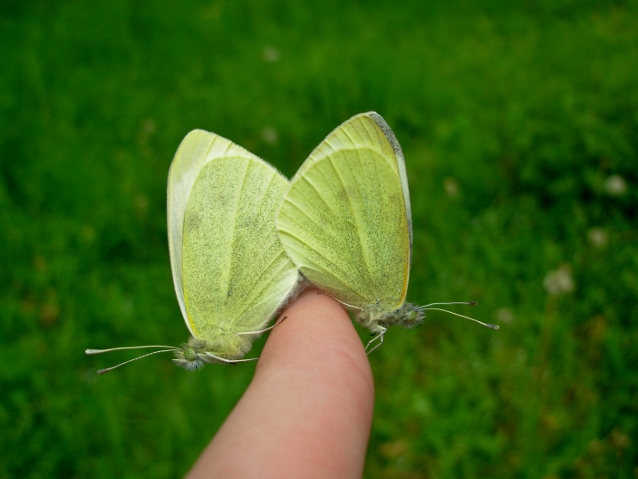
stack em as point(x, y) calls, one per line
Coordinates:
point(428, 307)
point(104, 371)
point(464, 303)
point(100, 351)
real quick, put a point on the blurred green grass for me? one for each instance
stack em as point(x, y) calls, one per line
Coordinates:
point(519, 123)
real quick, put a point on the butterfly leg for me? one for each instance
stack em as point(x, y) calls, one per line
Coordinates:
point(211, 358)
point(263, 330)
point(378, 338)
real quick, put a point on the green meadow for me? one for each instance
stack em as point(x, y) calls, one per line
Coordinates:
point(519, 125)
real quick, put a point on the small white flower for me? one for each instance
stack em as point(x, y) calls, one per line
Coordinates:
point(615, 185)
point(598, 237)
point(451, 187)
point(270, 54)
point(149, 126)
point(504, 315)
point(559, 281)
point(147, 129)
point(270, 136)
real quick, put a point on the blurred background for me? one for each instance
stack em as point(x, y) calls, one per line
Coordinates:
point(519, 124)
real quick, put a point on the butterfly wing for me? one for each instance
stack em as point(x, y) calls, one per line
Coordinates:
point(346, 219)
point(230, 272)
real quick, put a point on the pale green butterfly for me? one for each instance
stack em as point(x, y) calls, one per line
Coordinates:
point(230, 271)
point(346, 223)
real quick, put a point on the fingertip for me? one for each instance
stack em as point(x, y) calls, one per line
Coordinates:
point(318, 360)
point(308, 410)
point(316, 330)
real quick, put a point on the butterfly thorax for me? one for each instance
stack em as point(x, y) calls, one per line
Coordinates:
point(224, 348)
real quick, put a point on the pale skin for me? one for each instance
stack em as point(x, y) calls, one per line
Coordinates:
point(308, 410)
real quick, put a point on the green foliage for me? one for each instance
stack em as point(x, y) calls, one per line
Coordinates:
point(519, 123)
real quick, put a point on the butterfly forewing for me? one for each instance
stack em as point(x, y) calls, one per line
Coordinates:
point(344, 220)
point(231, 273)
